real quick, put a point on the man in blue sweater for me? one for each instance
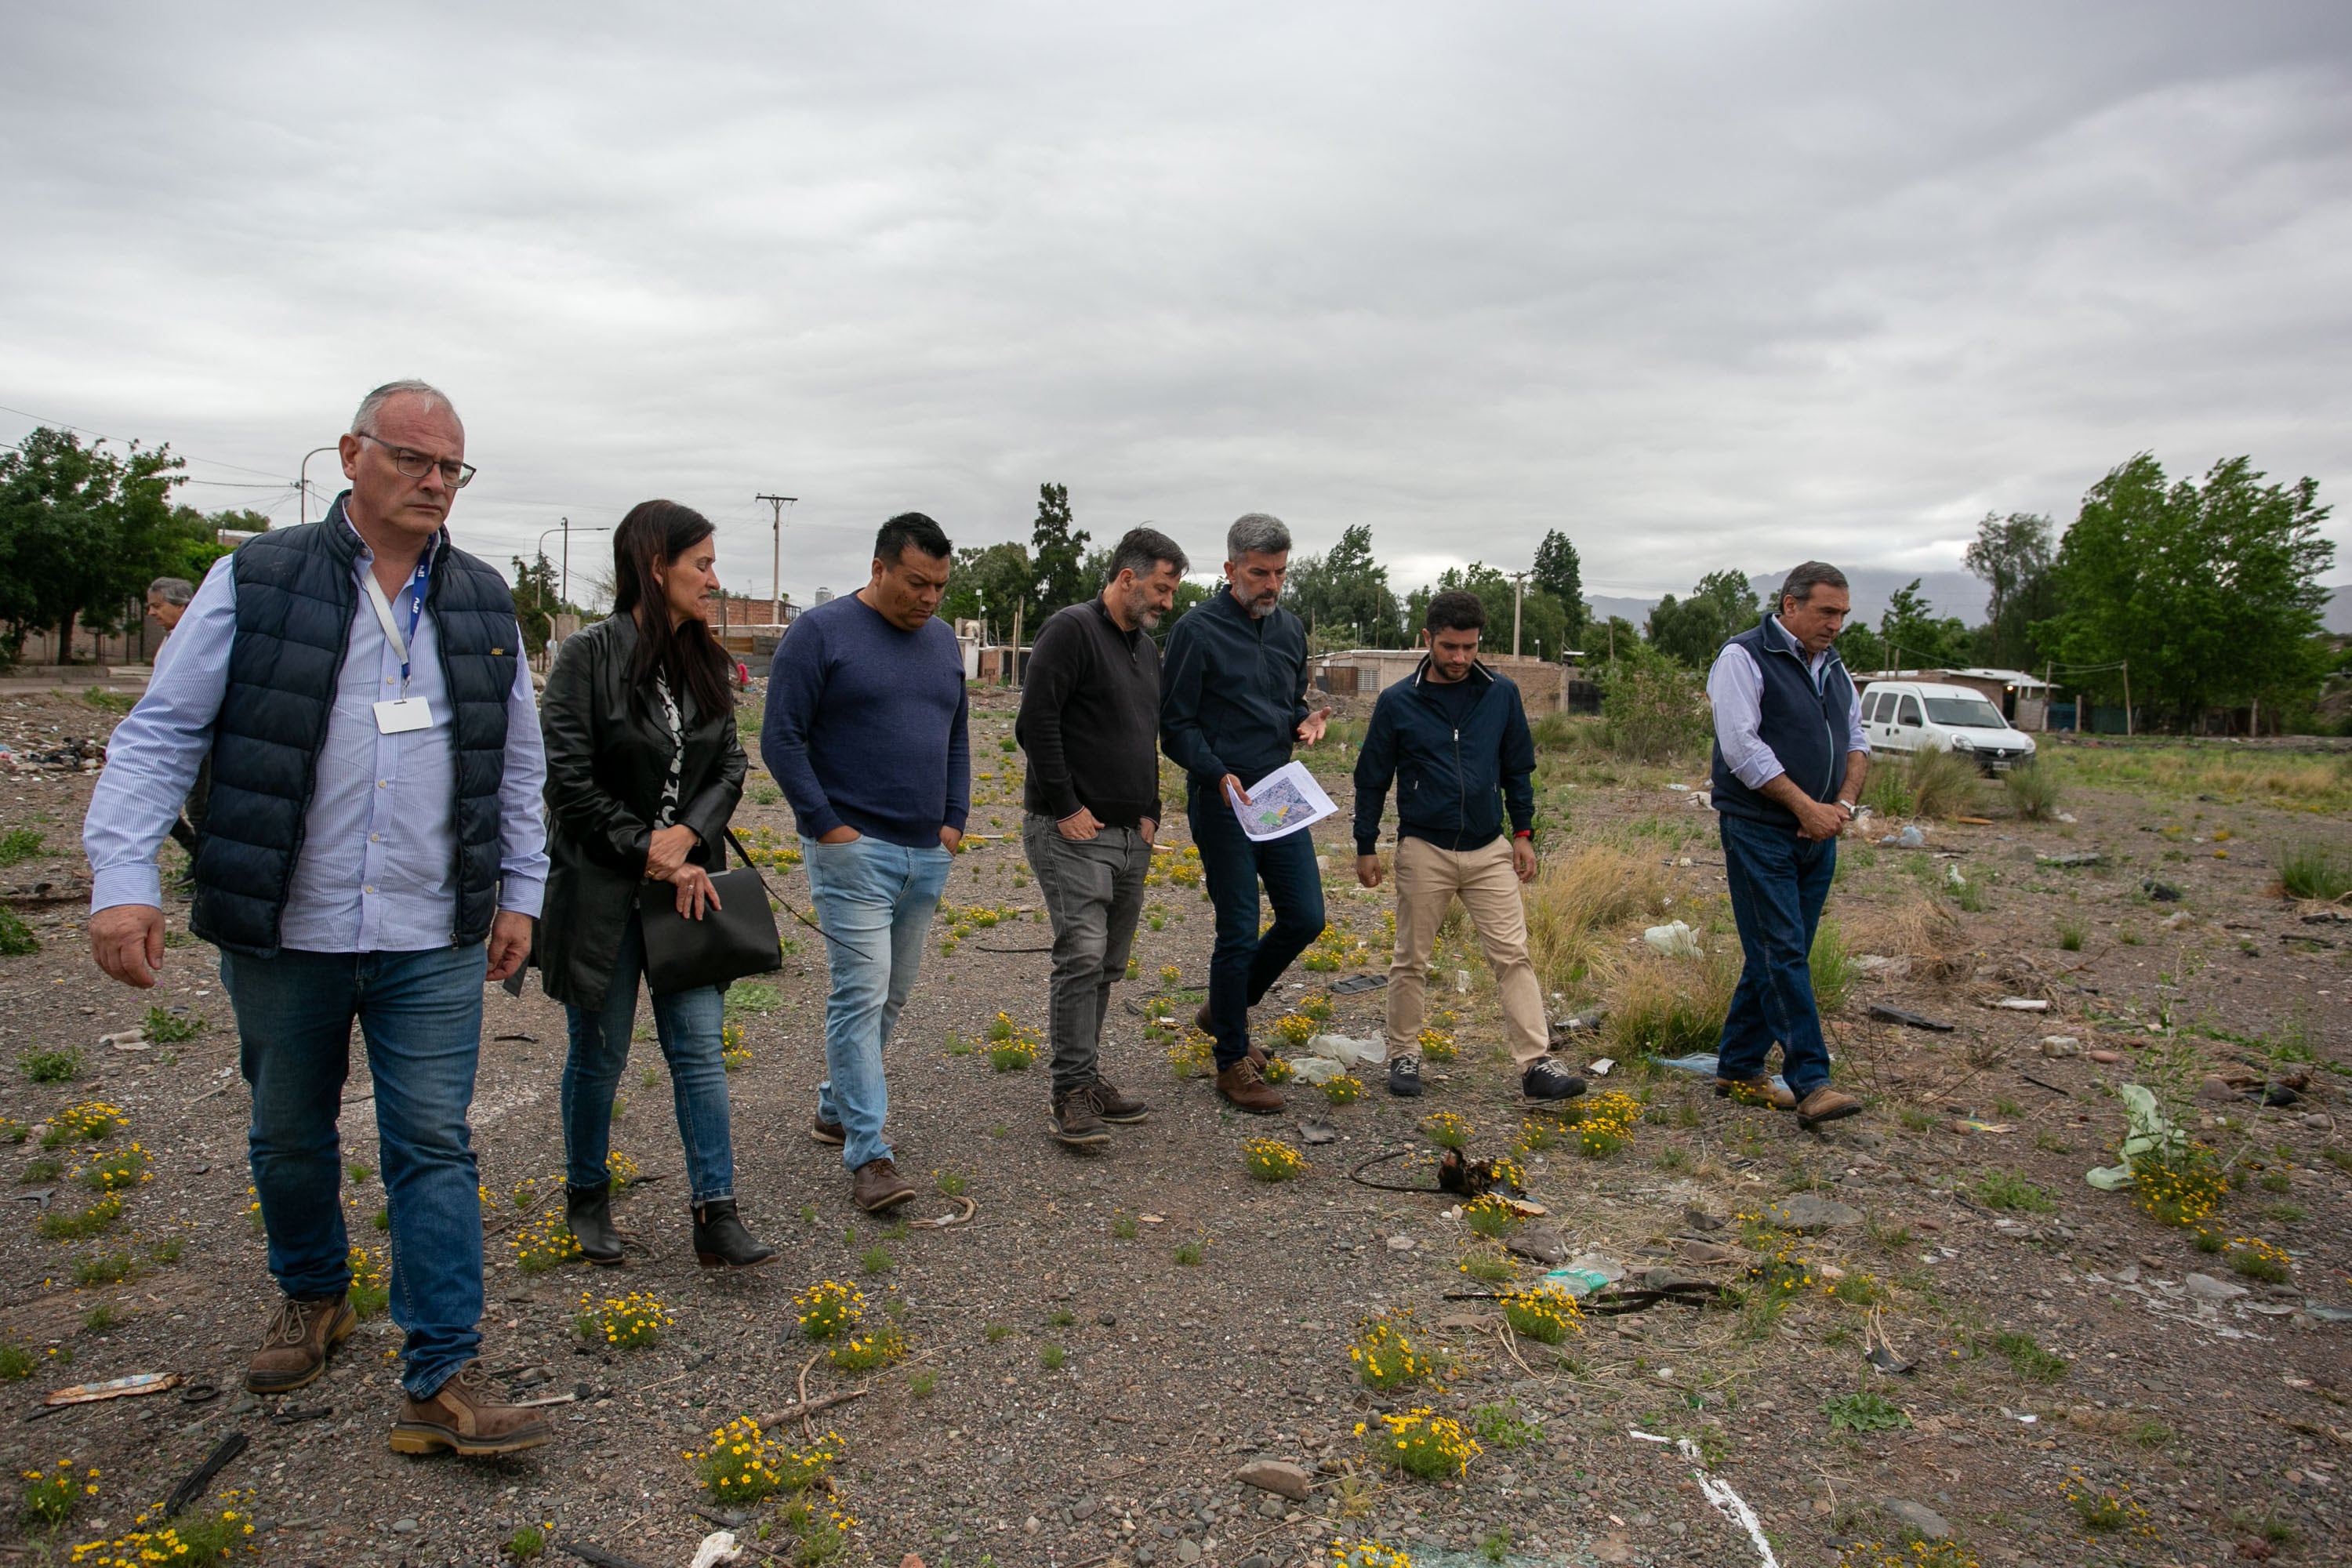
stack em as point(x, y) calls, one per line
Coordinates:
point(1233, 698)
point(1453, 740)
point(866, 730)
point(1790, 759)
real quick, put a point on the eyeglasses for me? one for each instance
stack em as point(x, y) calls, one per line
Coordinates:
point(414, 465)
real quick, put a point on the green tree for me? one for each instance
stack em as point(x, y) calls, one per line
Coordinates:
point(1916, 638)
point(1561, 574)
point(2211, 592)
point(1543, 624)
point(82, 532)
point(1691, 630)
point(537, 602)
point(989, 583)
point(1343, 595)
point(2013, 555)
point(1057, 555)
point(191, 539)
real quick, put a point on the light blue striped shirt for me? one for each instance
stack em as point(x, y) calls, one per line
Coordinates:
point(377, 872)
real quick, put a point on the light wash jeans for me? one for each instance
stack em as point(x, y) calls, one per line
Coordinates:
point(687, 1024)
point(875, 900)
point(421, 1015)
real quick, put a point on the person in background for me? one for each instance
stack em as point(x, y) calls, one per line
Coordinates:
point(1455, 741)
point(644, 769)
point(1232, 702)
point(866, 734)
point(167, 600)
point(377, 854)
point(1790, 756)
point(1089, 720)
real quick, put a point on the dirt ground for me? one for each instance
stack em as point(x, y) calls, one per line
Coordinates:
point(1071, 1390)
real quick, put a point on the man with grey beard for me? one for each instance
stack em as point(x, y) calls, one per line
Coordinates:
point(1232, 703)
point(1089, 721)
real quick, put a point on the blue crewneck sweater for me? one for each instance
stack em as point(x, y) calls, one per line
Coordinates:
point(866, 725)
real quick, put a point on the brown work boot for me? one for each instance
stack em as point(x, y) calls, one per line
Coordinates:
point(465, 1417)
point(825, 1131)
point(1826, 1104)
point(877, 1186)
point(1243, 1088)
point(1074, 1122)
point(1758, 1091)
point(1113, 1106)
point(1201, 1022)
point(295, 1345)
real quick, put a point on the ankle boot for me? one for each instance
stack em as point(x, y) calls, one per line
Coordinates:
point(589, 1212)
point(721, 1242)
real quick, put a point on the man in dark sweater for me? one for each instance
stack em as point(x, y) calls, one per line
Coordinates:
point(866, 730)
point(1231, 704)
point(1789, 760)
point(1455, 741)
point(1089, 720)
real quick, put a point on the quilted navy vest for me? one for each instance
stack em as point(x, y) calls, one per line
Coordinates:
point(296, 595)
point(1809, 730)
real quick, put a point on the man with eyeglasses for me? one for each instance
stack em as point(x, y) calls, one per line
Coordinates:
point(373, 853)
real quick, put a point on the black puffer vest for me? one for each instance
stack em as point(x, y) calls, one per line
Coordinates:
point(296, 595)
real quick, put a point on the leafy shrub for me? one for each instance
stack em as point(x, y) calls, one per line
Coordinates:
point(1652, 710)
point(1424, 1444)
point(1863, 1412)
point(45, 1067)
point(1271, 1160)
point(16, 937)
point(633, 1321)
point(2028, 1360)
point(1547, 1314)
point(2314, 871)
point(1943, 785)
point(828, 1308)
point(2008, 1190)
point(1385, 1355)
point(18, 844)
point(170, 1028)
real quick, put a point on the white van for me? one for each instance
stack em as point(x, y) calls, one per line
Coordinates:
point(1929, 716)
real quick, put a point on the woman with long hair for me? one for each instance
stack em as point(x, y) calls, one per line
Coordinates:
point(643, 768)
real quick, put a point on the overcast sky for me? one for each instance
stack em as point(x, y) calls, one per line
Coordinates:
point(1703, 285)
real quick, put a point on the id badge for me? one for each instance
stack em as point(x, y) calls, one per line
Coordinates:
point(400, 714)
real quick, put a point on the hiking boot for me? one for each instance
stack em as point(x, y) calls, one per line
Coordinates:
point(721, 1242)
point(295, 1346)
point(877, 1186)
point(465, 1417)
point(1759, 1089)
point(1826, 1104)
point(1245, 1091)
point(1201, 1022)
point(589, 1212)
point(825, 1131)
point(1404, 1077)
point(1113, 1106)
point(1076, 1122)
point(1546, 1079)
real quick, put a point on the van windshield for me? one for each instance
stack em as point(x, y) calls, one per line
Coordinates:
point(1964, 713)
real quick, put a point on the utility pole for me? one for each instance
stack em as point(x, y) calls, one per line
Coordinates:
point(563, 595)
point(1518, 594)
point(2127, 714)
point(776, 581)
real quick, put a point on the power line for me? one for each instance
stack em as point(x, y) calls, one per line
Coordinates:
point(80, 430)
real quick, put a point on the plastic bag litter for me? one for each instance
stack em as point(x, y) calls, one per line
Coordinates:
point(1910, 838)
point(1705, 1064)
point(1315, 1070)
point(1585, 1273)
point(1675, 940)
point(2152, 1134)
point(718, 1547)
point(1346, 1051)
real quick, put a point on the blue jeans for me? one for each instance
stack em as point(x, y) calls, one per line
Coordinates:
point(1243, 965)
point(421, 1015)
point(875, 900)
point(687, 1024)
point(1778, 883)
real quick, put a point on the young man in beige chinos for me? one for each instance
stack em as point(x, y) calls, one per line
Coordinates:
point(1453, 740)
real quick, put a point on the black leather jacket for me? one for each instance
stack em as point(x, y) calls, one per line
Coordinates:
point(607, 759)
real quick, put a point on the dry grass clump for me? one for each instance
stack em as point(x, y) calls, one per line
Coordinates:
point(1921, 929)
point(2318, 784)
point(1577, 901)
point(1943, 785)
point(1671, 1007)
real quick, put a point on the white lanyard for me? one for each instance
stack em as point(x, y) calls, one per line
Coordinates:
point(383, 607)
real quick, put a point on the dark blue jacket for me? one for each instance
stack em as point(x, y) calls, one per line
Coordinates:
point(1452, 784)
point(1808, 731)
point(296, 595)
point(1233, 691)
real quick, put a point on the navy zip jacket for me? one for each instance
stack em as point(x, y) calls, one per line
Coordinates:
point(1452, 786)
point(1808, 729)
point(1233, 691)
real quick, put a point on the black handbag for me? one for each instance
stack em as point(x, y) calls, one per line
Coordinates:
point(737, 939)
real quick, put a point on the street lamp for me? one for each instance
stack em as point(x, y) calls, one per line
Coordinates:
point(564, 528)
point(302, 485)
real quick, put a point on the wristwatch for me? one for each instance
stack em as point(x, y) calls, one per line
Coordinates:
point(1845, 805)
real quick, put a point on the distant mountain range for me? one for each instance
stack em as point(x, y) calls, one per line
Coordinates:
point(1950, 593)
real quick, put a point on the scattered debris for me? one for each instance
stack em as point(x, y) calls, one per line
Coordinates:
point(1676, 939)
point(2083, 857)
point(2060, 1046)
point(1808, 1213)
point(2160, 892)
point(2023, 1005)
point(2151, 1133)
point(1355, 983)
point(1886, 1014)
point(130, 1387)
point(192, 1485)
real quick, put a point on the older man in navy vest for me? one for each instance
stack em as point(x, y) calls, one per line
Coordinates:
point(1789, 760)
point(373, 853)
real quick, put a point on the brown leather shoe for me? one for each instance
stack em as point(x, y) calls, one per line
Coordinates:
point(1201, 1022)
point(1074, 1122)
point(465, 1417)
point(1243, 1088)
point(825, 1131)
point(1758, 1091)
point(295, 1346)
point(1826, 1104)
point(1113, 1106)
point(877, 1186)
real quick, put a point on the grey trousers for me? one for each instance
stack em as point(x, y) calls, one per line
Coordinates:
point(1094, 895)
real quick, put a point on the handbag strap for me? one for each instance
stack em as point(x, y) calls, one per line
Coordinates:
point(785, 904)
